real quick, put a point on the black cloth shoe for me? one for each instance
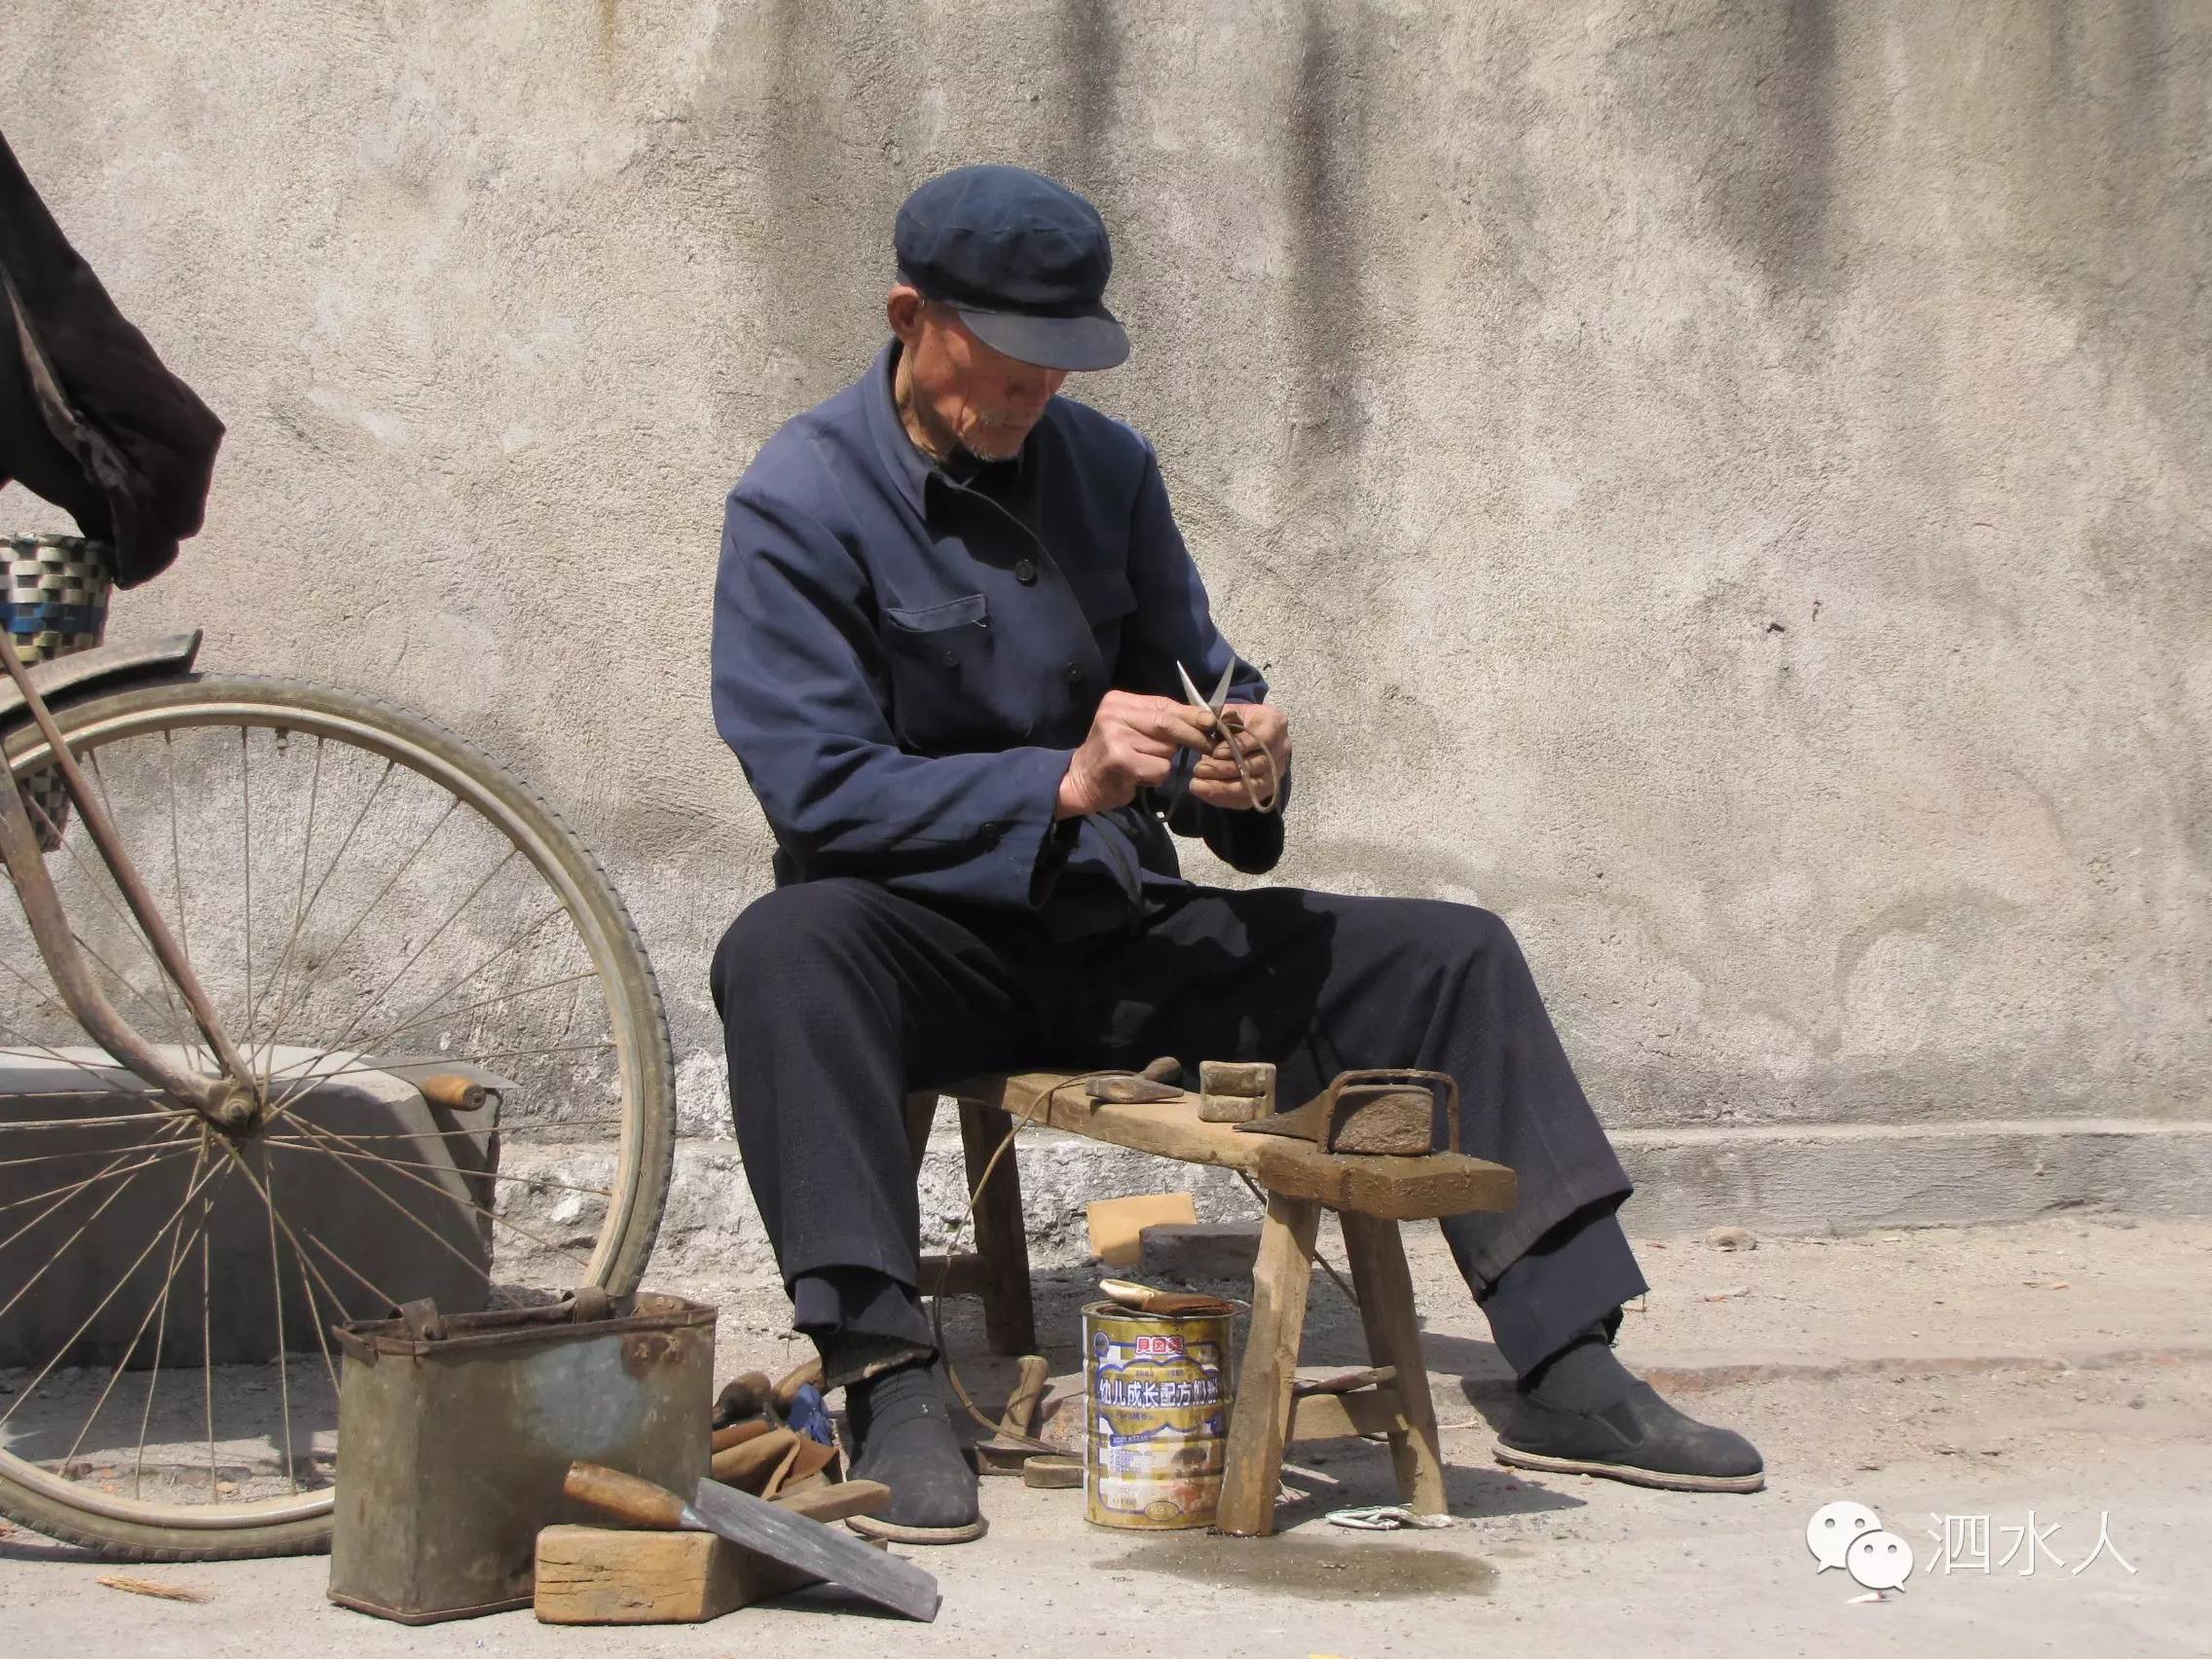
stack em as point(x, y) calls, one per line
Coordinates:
point(901, 1435)
point(1639, 1438)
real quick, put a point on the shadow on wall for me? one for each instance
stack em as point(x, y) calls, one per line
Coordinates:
point(1762, 115)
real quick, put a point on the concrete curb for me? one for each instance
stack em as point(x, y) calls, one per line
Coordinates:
point(1854, 1178)
point(1790, 1180)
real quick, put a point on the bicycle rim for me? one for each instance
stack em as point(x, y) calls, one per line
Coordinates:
point(379, 914)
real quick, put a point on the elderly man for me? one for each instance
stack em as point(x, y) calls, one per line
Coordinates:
point(950, 611)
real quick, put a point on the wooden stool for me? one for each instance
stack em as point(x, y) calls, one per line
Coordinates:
point(1371, 1196)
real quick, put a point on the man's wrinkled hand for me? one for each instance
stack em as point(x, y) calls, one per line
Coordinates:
point(1132, 745)
point(1216, 781)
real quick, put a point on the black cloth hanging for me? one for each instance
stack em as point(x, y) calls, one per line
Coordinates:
point(89, 419)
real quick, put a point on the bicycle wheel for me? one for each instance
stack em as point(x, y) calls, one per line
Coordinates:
point(469, 1093)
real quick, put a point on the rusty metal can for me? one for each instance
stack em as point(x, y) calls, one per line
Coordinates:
point(1158, 1391)
point(455, 1432)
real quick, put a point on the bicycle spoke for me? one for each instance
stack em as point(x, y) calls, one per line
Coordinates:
point(307, 1265)
point(283, 1108)
point(67, 1242)
point(184, 1045)
point(90, 1123)
point(175, 1229)
point(34, 1049)
point(314, 1314)
point(48, 1001)
point(477, 1209)
point(299, 922)
point(177, 861)
point(129, 927)
point(413, 1219)
point(90, 1180)
point(372, 1043)
point(161, 1341)
point(31, 1387)
point(246, 854)
point(464, 1174)
point(187, 1037)
point(64, 1157)
point(298, 999)
point(299, 904)
point(208, 1351)
point(510, 1132)
point(430, 938)
point(515, 943)
point(283, 1367)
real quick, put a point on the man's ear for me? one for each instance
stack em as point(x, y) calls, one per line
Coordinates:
point(904, 311)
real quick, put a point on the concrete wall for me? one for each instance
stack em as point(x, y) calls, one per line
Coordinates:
point(1726, 486)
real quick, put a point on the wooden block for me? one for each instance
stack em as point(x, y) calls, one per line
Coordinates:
point(1052, 1472)
point(1345, 1416)
point(1200, 1250)
point(606, 1575)
point(603, 1575)
point(963, 1272)
point(1231, 1092)
point(1117, 1225)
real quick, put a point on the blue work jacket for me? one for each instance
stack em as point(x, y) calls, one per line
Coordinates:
point(905, 663)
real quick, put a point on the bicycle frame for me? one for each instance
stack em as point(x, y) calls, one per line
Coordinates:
point(229, 1099)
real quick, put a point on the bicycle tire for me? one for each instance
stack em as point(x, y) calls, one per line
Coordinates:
point(624, 1247)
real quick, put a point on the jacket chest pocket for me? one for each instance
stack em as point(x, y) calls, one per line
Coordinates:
point(942, 676)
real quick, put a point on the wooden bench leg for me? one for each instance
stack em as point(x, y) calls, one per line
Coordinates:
point(1259, 1421)
point(1008, 1319)
point(1386, 1291)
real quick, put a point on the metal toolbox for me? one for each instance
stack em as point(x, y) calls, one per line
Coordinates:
point(455, 1434)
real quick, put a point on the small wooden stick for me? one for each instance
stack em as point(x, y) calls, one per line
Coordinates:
point(150, 1587)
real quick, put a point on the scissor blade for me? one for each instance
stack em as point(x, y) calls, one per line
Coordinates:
point(1220, 697)
point(1190, 688)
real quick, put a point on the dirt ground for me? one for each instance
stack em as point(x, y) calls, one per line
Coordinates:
point(1967, 1384)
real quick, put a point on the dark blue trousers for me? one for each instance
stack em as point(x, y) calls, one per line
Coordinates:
point(839, 998)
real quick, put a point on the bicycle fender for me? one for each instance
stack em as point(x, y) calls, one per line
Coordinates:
point(61, 679)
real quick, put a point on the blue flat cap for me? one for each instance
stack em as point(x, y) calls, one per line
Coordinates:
point(1024, 261)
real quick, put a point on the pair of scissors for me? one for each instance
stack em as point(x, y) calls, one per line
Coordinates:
point(1226, 726)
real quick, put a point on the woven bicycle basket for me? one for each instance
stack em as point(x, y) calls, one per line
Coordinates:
point(54, 603)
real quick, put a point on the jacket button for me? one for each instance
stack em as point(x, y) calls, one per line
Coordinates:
point(1075, 674)
point(1025, 573)
point(989, 834)
point(951, 659)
